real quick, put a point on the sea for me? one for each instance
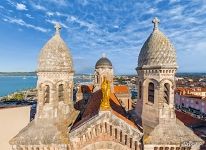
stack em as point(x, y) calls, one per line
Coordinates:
point(11, 84)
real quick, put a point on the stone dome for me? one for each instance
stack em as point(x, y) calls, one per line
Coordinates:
point(103, 62)
point(55, 55)
point(157, 51)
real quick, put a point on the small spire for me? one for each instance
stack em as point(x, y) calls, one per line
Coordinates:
point(156, 21)
point(57, 27)
point(103, 55)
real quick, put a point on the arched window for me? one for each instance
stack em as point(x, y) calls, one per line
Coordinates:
point(166, 93)
point(151, 92)
point(61, 92)
point(115, 133)
point(140, 90)
point(110, 130)
point(125, 139)
point(47, 94)
point(120, 134)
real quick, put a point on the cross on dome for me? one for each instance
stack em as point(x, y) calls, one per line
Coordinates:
point(57, 27)
point(156, 21)
point(103, 55)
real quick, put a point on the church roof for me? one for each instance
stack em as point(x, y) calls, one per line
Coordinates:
point(157, 51)
point(173, 133)
point(93, 109)
point(103, 62)
point(45, 131)
point(55, 55)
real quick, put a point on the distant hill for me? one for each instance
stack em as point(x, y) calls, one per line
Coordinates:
point(17, 73)
point(191, 75)
point(179, 74)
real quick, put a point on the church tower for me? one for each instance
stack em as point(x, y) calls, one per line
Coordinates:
point(156, 78)
point(155, 106)
point(55, 112)
point(103, 69)
point(55, 79)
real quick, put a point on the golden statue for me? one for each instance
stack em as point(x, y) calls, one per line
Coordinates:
point(106, 89)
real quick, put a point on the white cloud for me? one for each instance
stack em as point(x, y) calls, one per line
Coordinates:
point(49, 13)
point(29, 16)
point(59, 2)
point(20, 6)
point(23, 23)
point(38, 7)
point(2, 7)
point(54, 22)
point(89, 26)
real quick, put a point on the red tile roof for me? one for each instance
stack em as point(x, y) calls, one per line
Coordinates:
point(93, 108)
point(121, 89)
point(86, 89)
point(187, 119)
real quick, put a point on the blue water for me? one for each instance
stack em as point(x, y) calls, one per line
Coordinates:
point(10, 84)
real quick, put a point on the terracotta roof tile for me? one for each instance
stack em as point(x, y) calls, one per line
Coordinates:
point(93, 108)
point(121, 89)
point(85, 89)
point(187, 119)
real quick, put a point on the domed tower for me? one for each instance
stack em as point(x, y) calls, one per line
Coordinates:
point(155, 106)
point(156, 79)
point(55, 78)
point(55, 111)
point(103, 69)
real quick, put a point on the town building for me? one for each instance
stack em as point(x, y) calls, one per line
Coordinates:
point(196, 91)
point(191, 103)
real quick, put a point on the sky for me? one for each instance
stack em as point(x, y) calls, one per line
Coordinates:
point(117, 28)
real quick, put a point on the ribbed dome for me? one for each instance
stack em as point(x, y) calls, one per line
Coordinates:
point(103, 63)
point(55, 55)
point(157, 51)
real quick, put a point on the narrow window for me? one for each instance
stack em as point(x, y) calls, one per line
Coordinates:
point(151, 92)
point(140, 90)
point(95, 131)
point(115, 132)
point(61, 92)
point(101, 128)
point(47, 94)
point(166, 92)
point(135, 145)
point(110, 130)
point(105, 127)
point(130, 142)
point(125, 140)
point(120, 134)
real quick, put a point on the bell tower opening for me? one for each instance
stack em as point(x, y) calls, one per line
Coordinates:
point(140, 90)
point(47, 94)
point(167, 93)
point(61, 92)
point(151, 92)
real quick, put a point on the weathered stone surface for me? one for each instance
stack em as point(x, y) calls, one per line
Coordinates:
point(157, 51)
point(156, 83)
point(55, 56)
